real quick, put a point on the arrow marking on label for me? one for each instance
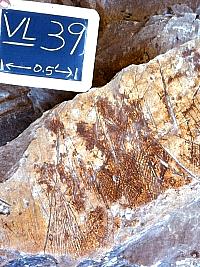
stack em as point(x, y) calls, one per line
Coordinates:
point(69, 72)
point(11, 65)
point(76, 74)
point(1, 65)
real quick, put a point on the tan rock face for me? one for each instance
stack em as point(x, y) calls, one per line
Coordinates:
point(130, 32)
point(118, 10)
point(126, 42)
point(82, 170)
point(133, 32)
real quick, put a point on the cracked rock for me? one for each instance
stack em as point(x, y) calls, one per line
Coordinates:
point(116, 167)
point(131, 41)
point(20, 106)
point(129, 33)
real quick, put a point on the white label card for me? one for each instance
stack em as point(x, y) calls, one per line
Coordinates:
point(47, 45)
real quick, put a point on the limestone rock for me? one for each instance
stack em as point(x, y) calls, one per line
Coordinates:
point(116, 165)
point(45, 99)
point(126, 42)
point(16, 112)
point(20, 106)
point(129, 33)
point(119, 10)
point(36, 261)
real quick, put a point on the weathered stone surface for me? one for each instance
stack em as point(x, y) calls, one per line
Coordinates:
point(16, 112)
point(13, 258)
point(119, 10)
point(117, 164)
point(125, 42)
point(20, 106)
point(173, 238)
point(36, 261)
point(129, 33)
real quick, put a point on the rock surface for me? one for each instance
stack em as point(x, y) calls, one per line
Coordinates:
point(118, 10)
point(128, 41)
point(36, 261)
point(16, 112)
point(130, 32)
point(20, 106)
point(117, 165)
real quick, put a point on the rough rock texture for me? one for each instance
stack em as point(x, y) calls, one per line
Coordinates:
point(135, 32)
point(116, 10)
point(20, 106)
point(16, 112)
point(117, 164)
point(125, 42)
point(130, 32)
point(30, 261)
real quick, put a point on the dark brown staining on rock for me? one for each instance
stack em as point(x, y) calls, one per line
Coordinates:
point(96, 226)
point(194, 154)
point(139, 175)
point(136, 170)
point(62, 173)
point(55, 125)
point(176, 76)
point(191, 114)
point(53, 176)
point(87, 131)
point(46, 176)
point(196, 60)
point(63, 234)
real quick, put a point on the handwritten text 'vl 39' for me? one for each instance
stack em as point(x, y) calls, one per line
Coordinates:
point(53, 49)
